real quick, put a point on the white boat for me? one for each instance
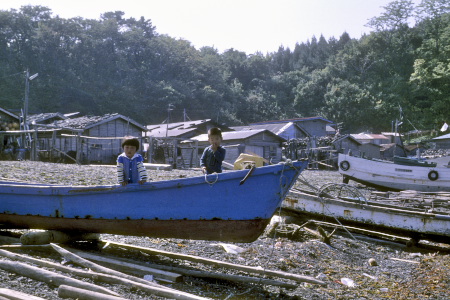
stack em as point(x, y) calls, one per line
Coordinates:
point(400, 174)
point(344, 203)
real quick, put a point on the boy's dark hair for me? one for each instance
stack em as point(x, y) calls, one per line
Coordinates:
point(131, 142)
point(215, 131)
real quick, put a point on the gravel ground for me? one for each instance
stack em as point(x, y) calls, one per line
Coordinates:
point(399, 273)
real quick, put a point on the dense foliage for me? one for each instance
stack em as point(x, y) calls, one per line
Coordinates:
point(123, 65)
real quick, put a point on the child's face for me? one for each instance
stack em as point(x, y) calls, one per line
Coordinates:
point(129, 150)
point(214, 140)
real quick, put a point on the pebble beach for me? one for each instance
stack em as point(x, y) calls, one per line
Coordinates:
point(353, 267)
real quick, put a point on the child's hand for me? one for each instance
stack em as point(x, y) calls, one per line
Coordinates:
point(204, 170)
point(142, 181)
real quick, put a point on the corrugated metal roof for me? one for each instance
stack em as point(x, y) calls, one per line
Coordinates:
point(236, 135)
point(87, 122)
point(160, 131)
point(292, 120)
point(181, 125)
point(38, 118)
point(369, 136)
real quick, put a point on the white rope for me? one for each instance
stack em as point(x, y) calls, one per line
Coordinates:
point(211, 183)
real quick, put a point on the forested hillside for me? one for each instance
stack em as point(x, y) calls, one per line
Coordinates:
point(113, 64)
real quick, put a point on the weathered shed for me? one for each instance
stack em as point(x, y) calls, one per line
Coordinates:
point(377, 139)
point(93, 139)
point(164, 142)
point(313, 126)
point(184, 130)
point(287, 130)
point(347, 144)
point(442, 142)
point(261, 142)
point(370, 150)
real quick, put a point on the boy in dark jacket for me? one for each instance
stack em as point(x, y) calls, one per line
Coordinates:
point(212, 157)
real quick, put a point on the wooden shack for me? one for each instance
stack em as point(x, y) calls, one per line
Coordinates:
point(261, 142)
point(88, 139)
point(287, 131)
point(313, 126)
point(164, 142)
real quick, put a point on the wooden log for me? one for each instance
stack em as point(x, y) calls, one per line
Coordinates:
point(194, 273)
point(129, 267)
point(54, 236)
point(15, 295)
point(66, 291)
point(8, 240)
point(50, 277)
point(157, 290)
point(257, 270)
point(95, 267)
point(229, 277)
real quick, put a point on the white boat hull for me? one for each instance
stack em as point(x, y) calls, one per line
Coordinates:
point(397, 220)
point(396, 177)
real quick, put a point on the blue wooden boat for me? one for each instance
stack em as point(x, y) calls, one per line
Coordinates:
point(212, 207)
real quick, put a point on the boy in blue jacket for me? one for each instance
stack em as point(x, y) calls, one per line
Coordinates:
point(130, 165)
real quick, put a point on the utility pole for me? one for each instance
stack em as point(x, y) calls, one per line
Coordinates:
point(169, 108)
point(185, 116)
point(28, 78)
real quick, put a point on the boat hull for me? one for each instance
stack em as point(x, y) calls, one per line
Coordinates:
point(371, 215)
point(215, 207)
point(386, 175)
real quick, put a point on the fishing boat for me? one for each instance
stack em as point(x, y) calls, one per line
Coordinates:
point(340, 203)
point(232, 206)
point(400, 174)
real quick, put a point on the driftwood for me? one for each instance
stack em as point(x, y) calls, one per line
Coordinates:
point(130, 267)
point(366, 231)
point(50, 277)
point(11, 294)
point(257, 270)
point(100, 269)
point(229, 277)
point(155, 290)
point(53, 236)
point(139, 269)
point(66, 291)
point(321, 234)
point(405, 260)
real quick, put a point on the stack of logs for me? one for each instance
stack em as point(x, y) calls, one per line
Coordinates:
point(100, 270)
